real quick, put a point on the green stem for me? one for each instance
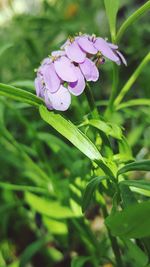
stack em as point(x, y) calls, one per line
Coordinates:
point(132, 79)
point(114, 242)
point(130, 20)
point(91, 102)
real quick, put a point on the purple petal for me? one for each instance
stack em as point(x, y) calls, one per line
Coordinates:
point(39, 87)
point(74, 52)
point(51, 80)
point(89, 70)
point(65, 69)
point(61, 100)
point(58, 53)
point(87, 45)
point(46, 60)
point(78, 87)
point(122, 58)
point(113, 46)
point(104, 48)
point(47, 101)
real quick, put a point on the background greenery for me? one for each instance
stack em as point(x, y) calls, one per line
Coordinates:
point(42, 176)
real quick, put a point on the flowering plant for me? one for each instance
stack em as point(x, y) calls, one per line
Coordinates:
point(88, 189)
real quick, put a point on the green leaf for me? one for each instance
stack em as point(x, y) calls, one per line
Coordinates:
point(27, 84)
point(108, 128)
point(133, 222)
point(79, 261)
point(143, 165)
point(125, 150)
point(71, 132)
point(112, 7)
point(55, 227)
point(127, 195)
point(89, 191)
point(53, 209)
point(135, 253)
point(131, 19)
point(15, 187)
point(4, 48)
point(134, 102)
point(139, 184)
point(32, 249)
point(19, 94)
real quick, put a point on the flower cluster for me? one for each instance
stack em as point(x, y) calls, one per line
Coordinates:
point(66, 71)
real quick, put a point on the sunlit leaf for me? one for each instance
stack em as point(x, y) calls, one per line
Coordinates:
point(47, 207)
point(71, 132)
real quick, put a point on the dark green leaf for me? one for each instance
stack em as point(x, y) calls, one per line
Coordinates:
point(139, 184)
point(79, 261)
point(127, 196)
point(133, 222)
point(143, 165)
point(89, 191)
point(136, 254)
point(32, 249)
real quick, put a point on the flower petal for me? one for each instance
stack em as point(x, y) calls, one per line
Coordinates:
point(39, 87)
point(46, 60)
point(74, 52)
point(122, 58)
point(65, 69)
point(58, 53)
point(89, 70)
point(78, 87)
point(51, 80)
point(87, 45)
point(113, 46)
point(104, 48)
point(61, 100)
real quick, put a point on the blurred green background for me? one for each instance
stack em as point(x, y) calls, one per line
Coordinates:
point(43, 234)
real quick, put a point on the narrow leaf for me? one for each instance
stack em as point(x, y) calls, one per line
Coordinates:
point(108, 128)
point(53, 209)
point(89, 191)
point(71, 132)
point(112, 7)
point(32, 249)
point(143, 165)
point(139, 184)
point(19, 95)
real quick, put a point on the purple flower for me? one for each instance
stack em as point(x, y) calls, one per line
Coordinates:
point(61, 100)
point(109, 50)
point(66, 71)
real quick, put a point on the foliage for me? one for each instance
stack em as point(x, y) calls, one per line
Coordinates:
point(75, 186)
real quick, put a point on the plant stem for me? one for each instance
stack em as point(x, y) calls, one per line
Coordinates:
point(132, 79)
point(90, 99)
point(114, 242)
point(132, 19)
